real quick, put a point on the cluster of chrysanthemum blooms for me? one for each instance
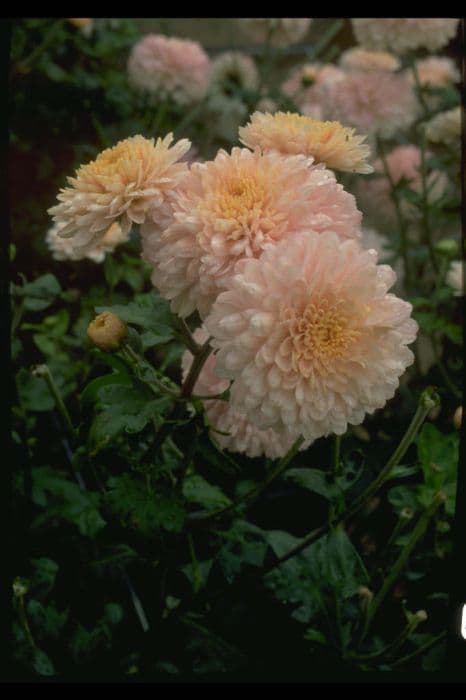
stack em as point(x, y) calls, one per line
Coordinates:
point(263, 243)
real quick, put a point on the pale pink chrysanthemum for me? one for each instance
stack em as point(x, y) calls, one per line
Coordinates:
point(374, 102)
point(372, 238)
point(310, 336)
point(234, 207)
point(64, 248)
point(358, 58)
point(435, 71)
point(331, 143)
point(279, 32)
point(455, 277)
point(127, 183)
point(403, 163)
point(165, 67)
point(243, 435)
point(402, 34)
point(445, 128)
point(231, 70)
point(303, 84)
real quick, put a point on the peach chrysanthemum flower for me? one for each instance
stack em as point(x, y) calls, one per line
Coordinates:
point(232, 70)
point(371, 101)
point(234, 207)
point(455, 277)
point(243, 436)
point(310, 336)
point(303, 84)
point(331, 143)
point(403, 163)
point(127, 183)
point(358, 58)
point(402, 34)
point(445, 128)
point(165, 67)
point(435, 71)
point(64, 248)
point(279, 31)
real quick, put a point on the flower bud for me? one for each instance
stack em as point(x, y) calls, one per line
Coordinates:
point(80, 22)
point(20, 587)
point(447, 247)
point(107, 331)
point(429, 398)
point(421, 616)
point(458, 417)
point(365, 596)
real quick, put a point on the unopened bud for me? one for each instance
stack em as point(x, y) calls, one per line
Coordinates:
point(429, 398)
point(365, 595)
point(406, 513)
point(80, 22)
point(458, 417)
point(447, 247)
point(421, 615)
point(20, 587)
point(434, 413)
point(107, 331)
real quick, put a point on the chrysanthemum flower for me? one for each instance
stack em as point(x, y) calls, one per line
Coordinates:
point(455, 277)
point(64, 248)
point(372, 238)
point(358, 58)
point(128, 183)
point(403, 34)
point(303, 85)
point(85, 24)
point(169, 67)
point(234, 207)
point(243, 435)
point(310, 336)
point(280, 32)
point(435, 71)
point(233, 69)
point(445, 128)
point(331, 143)
point(371, 101)
point(403, 163)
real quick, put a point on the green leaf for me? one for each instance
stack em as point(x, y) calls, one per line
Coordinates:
point(203, 568)
point(197, 490)
point(38, 295)
point(244, 544)
point(313, 635)
point(45, 572)
point(63, 499)
point(42, 663)
point(91, 392)
point(33, 391)
point(439, 455)
point(314, 480)
point(46, 618)
point(113, 613)
point(145, 510)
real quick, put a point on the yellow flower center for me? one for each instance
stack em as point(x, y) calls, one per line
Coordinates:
point(320, 332)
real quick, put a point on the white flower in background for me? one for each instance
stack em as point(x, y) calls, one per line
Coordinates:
point(226, 114)
point(279, 31)
point(455, 277)
point(435, 71)
point(445, 128)
point(232, 70)
point(358, 58)
point(402, 34)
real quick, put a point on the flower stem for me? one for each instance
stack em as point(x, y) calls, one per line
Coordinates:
point(421, 649)
point(427, 233)
point(253, 493)
point(429, 399)
point(398, 566)
point(186, 336)
point(399, 214)
point(44, 371)
point(141, 366)
point(195, 369)
point(336, 462)
point(50, 35)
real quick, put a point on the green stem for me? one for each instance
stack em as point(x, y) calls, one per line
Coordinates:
point(253, 493)
point(142, 366)
point(186, 336)
point(399, 214)
point(395, 571)
point(392, 646)
point(419, 88)
point(336, 462)
point(427, 233)
point(50, 35)
point(420, 650)
point(17, 317)
point(44, 371)
point(197, 577)
point(195, 369)
point(427, 402)
point(326, 38)
point(25, 624)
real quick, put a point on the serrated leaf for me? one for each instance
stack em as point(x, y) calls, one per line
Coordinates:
point(314, 480)
point(42, 663)
point(197, 490)
point(38, 295)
